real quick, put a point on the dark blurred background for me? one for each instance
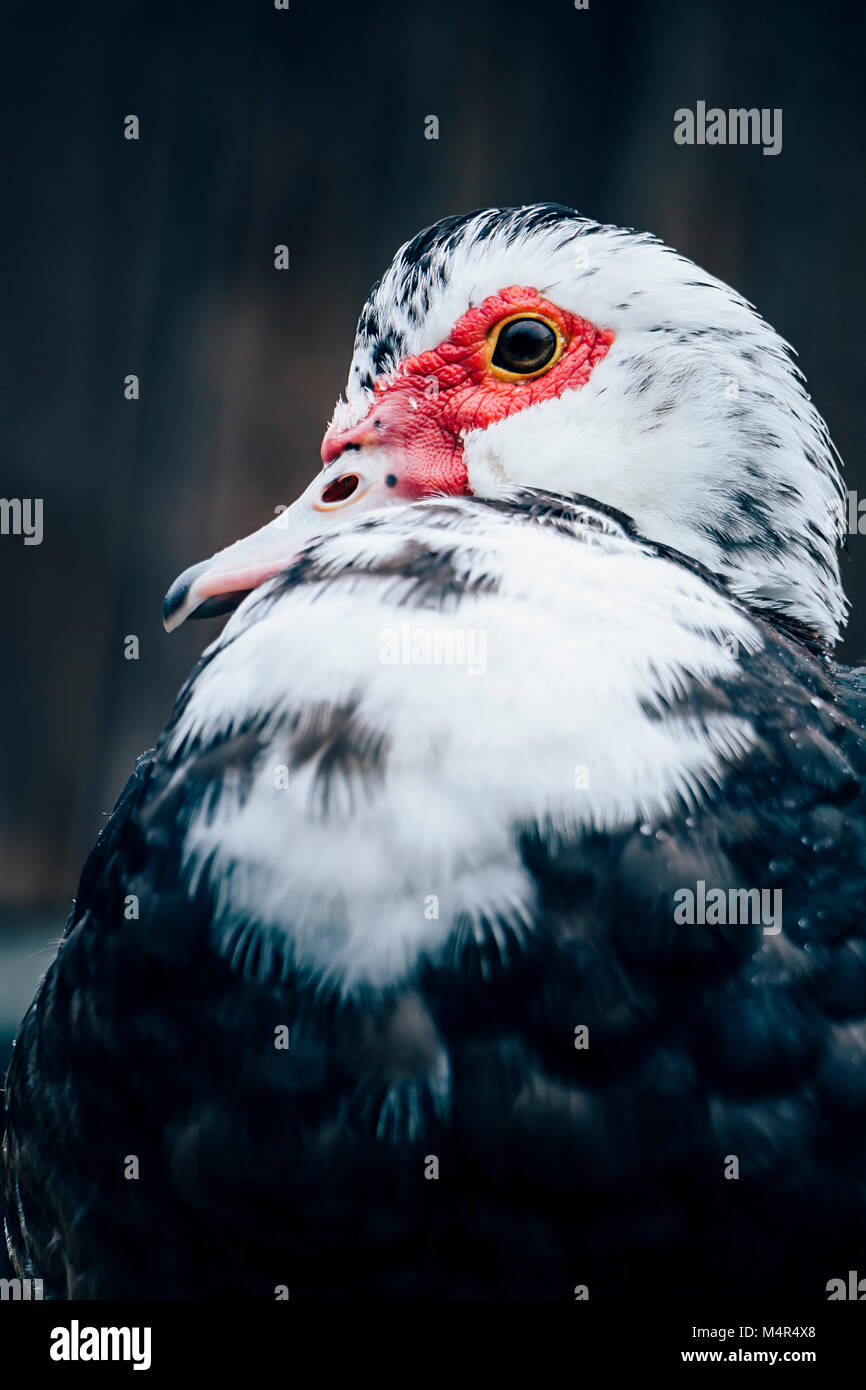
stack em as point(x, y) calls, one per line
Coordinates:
point(306, 127)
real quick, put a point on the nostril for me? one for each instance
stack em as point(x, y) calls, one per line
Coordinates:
point(341, 488)
point(334, 447)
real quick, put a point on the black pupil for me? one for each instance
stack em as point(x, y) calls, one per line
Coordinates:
point(526, 345)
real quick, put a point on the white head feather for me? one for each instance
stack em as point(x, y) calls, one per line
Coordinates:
point(696, 423)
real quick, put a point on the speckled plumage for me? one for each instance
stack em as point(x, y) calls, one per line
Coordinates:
point(558, 1167)
point(434, 873)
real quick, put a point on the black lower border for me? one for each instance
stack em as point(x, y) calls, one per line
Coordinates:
point(365, 1339)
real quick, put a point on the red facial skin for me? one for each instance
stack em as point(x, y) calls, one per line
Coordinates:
point(420, 412)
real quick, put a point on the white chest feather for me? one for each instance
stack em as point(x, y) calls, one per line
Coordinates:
point(529, 698)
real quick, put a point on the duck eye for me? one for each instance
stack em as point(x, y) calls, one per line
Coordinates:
point(524, 347)
point(341, 488)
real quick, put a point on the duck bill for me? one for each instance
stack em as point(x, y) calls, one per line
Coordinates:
point(218, 585)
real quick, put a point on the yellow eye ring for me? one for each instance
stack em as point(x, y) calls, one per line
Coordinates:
point(554, 341)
